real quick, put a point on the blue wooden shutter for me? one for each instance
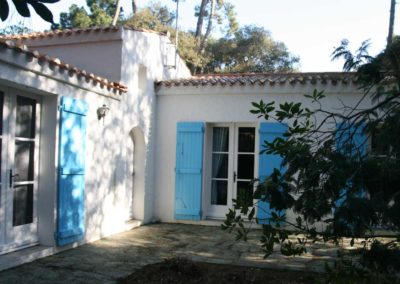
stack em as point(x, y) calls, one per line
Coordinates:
point(351, 141)
point(71, 171)
point(358, 140)
point(188, 171)
point(267, 162)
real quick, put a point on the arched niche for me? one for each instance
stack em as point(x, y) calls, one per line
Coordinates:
point(137, 172)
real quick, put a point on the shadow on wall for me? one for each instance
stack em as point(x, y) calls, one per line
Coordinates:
point(106, 210)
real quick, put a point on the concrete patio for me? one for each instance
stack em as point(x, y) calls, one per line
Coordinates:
point(107, 260)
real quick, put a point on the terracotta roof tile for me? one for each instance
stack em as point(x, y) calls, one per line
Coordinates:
point(261, 79)
point(42, 58)
point(70, 32)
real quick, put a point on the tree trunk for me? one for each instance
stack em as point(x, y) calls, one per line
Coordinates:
point(117, 11)
point(134, 7)
point(200, 19)
point(209, 26)
point(391, 21)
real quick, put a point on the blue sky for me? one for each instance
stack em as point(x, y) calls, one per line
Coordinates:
point(309, 28)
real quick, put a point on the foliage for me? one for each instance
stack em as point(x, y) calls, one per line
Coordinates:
point(19, 28)
point(252, 49)
point(156, 17)
point(246, 49)
point(379, 264)
point(23, 8)
point(220, 11)
point(331, 178)
point(100, 13)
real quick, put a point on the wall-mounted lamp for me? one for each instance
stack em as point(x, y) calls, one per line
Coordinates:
point(102, 112)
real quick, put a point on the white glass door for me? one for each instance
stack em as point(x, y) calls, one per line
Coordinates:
point(3, 165)
point(221, 173)
point(19, 162)
point(244, 167)
point(233, 167)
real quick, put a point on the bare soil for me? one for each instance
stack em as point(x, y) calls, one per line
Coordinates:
point(178, 270)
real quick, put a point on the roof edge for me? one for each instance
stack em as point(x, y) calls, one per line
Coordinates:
point(69, 32)
point(261, 79)
point(52, 61)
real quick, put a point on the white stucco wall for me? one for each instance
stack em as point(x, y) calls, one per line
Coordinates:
point(118, 146)
point(144, 53)
point(216, 105)
point(105, 210)
point(84, 51)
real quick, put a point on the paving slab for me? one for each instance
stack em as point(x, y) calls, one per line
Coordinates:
point(106, 260)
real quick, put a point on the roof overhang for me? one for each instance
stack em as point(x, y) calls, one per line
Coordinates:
point(18, 60)
point(253, 83)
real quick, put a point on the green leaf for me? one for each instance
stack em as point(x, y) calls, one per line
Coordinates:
point(43, 11)
point(49, 1)
point(252, 213)
point(4, 10)
point(22, 8)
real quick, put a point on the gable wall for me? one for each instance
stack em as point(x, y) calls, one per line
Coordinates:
point(98, 53)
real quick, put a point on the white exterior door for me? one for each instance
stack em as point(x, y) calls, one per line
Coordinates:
point(233, 167)
point(19, 164)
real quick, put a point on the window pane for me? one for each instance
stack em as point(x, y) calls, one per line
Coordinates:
point(246, 139)
point(1, 129)
point(379, 145)
point(244, 193)
point(24, 160)
point(219, 192)
point(1, 112)
point(25, 121)
point(221, 139)
point(23, 205)
point(220, 166)
point(1, 155)
point(245, 166)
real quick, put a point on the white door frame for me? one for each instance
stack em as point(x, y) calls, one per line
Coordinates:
point(14, 237)
point(219, 211)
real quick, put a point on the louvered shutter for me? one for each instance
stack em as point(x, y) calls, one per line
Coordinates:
point(71, 171)
point(188, 171)
point(267, 162)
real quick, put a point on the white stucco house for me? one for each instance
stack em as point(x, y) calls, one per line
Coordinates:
point(171, 147)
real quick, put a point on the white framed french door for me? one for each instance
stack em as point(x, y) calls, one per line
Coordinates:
point(20, 126)
point(234, 166)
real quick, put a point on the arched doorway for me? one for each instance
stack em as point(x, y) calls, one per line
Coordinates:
point(137, 172)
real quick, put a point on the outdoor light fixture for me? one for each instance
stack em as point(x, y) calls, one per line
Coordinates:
point(102, 111)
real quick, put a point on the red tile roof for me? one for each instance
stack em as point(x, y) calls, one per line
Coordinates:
point(69, 32)
point(23, 49)
point(261, 79)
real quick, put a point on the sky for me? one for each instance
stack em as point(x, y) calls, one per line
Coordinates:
point(311, 29)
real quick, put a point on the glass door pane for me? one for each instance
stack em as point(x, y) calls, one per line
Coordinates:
point(3, 165)
point(23, 205)
point(1, 136)
point(220, 166)
point(23, 170)
point(245, 162)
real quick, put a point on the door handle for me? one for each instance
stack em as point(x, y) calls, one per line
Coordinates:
point(11, 178)
point(234, 176)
